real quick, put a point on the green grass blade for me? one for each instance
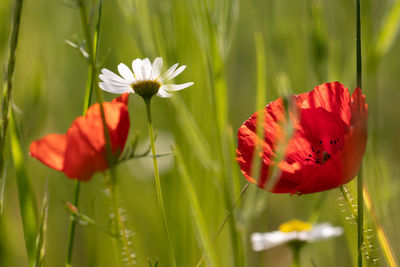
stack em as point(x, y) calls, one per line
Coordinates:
point(26, 196)
point(8, 80)
point(2, 186)
point(389, 30)
point(193, 134)
point(381, 234)
point(260, 99)
point(41, 235)
point(196, 213)
point(261, 72)
point(319, 40)
point(236, 177)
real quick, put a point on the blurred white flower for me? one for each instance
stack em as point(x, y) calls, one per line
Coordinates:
point(146, 79)
point(293, 231)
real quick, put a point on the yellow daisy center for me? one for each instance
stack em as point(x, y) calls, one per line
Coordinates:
point(295, 226)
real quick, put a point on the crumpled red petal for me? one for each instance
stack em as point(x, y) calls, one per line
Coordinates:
point(325, 150)
point(50, 150)
point(84, 151)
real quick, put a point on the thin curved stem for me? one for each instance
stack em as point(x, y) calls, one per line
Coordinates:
point(158, 182)
point(222, 225)
point(360, 182)
point(72, 225)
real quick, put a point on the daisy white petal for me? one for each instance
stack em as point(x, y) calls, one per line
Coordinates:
point(112, 76)
point(263, 241)
point(163, 93)
point(323, 231)
point(144, 73)
point(111, 81)
point(116, 90)
point(296, 231)
point(126, 73)
point(176, 87)
point(177, 72)
point(137, 68)
point(167, 74)
point(156, 68)
point(147, 66)
point(145, 79)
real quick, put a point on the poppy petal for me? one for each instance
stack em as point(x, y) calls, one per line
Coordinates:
point(122, 99)
point(50, 150)
point(333, 97)
point(248, 140)
point(82, 159)
point(85, 153)
point(81, 152)
point(354, 147)
point(325, 150)
point(359, 109)
point(117, 117)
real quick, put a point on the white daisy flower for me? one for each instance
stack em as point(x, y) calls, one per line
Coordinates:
point(146, 79)
point(294, 231)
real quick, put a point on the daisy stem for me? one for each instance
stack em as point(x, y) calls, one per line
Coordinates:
point(296, 247)
point(158, 182)
point(360, 200)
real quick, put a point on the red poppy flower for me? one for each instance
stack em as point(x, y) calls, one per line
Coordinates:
point(327, 145)
point(81, 152)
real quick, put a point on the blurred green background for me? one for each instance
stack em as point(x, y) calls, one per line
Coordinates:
point(303, 43)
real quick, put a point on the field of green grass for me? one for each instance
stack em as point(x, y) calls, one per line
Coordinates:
point(241, 55)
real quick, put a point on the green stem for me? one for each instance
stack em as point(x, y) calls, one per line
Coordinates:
point(296, 248)
point(93, 69)
point(8, 85)
point(354, 213)
point(360, 200)
point(72, 225)
point(92, 49)
point(360, 216)
point(158, 182)
point(121, 231)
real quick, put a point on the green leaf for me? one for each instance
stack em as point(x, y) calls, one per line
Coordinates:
point(26, 196)
point(196, 213)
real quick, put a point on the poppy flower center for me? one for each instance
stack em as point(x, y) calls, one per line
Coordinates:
point(146, 89)
point(323, 150)
point(324, 133)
